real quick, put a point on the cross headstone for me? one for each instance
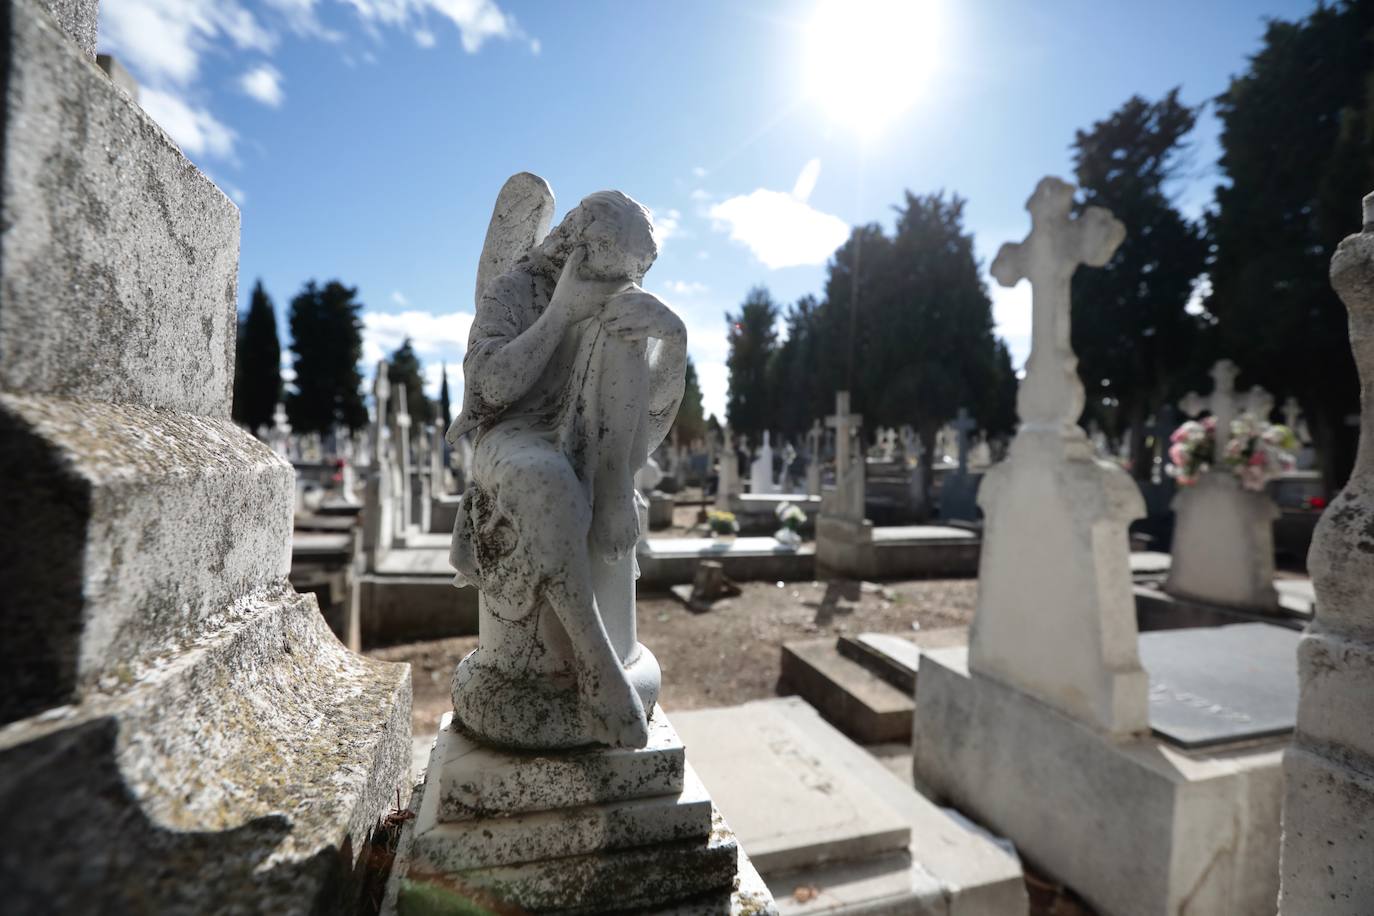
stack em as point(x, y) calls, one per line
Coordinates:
point(1051, 393)
point(761, 470)
point(1056, 611)
point(1292, 413)
point(789, 455)
point(1223, 403)
point(814, 437)
point(381, 394)
point(845, 425)
point(403, 488)
point(1258, 404)
point(963, 425)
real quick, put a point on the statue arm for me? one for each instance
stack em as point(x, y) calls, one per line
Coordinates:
point(503, 360)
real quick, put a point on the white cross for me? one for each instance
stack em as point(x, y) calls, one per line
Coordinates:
point(1222, 402)
point(1051, 393)
point(963, 424)
point(813, 439)
point(844, 423)
point(1292, 413)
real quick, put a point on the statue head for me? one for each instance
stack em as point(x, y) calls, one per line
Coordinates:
point(616, 231)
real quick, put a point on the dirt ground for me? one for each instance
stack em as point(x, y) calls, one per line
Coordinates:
point(732, 653)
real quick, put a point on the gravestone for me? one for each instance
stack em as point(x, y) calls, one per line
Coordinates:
point(727, 484)
point(1327, 867)
point(401, 473)
point(761, 470)
point(1041, 729)
point(846, 501)
point(182, 733)
point(814, 437)
point(1223, 546)
point(378, 504)
point(959, 490)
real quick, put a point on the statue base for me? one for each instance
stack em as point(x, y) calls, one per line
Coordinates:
point(533, 709)
point(580, 831)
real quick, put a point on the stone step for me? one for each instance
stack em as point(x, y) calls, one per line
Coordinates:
point(626, 879)
point(892, 658)
point(797, 792)
point(249, 757)
point(858, 702)
point(474, 781)
point(134, 529)
point(446, 848)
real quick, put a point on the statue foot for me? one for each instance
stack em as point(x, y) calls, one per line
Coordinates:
point(615, 526)
point(615, 716)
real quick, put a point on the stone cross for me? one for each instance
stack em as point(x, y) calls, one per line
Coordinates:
point(845, 424)
point(1259, 403)
point(1329, 799)
point(381, 393)
point(1222, 402)
point(814, 436)
point(1051, 393)
point(963, 424)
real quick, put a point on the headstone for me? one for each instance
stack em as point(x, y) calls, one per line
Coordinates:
point(959, 491)
point(182, 733)
point(761, 470)
point(1056, 616)
point(556, 782)
point(846, 501)
point(1327, 866)
point(784, 481)
point(814, 437)
point(1292, 418)
point(1223, 545)
point(727, 485)
point(378, 503)
point(400, 437)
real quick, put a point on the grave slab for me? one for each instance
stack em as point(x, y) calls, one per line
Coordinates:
point(865, 551)
point(674, 561)
point(1224, 684)
point(863, 705)
point(1204, 824)
point(812, 777)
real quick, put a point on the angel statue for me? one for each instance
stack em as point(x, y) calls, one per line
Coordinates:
point(573, 375)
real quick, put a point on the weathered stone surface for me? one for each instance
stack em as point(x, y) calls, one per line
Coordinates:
point(130, 531)
point(242, 773)
point(1223, 548)
point(792, 808)
point(541, 835)
point(475, 781)
point(118, 259)
point(1328, 842)
point(1135, 826)
point(78, 18)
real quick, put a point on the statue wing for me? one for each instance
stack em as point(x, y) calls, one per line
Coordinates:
point(519, 221)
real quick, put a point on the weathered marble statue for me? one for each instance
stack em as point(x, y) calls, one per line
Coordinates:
point(573, 376)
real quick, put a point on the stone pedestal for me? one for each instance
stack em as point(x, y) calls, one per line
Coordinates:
point(179, 731)
point(1223, 548)
point(584, 831)
point(1137, 827)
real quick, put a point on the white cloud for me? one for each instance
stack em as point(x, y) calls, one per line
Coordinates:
point(780, 230)
point(698, 171)
point(263, 83)
point(433, 336)
point(399, 298)
point(536, 47)
point(714, 381)
point(424, 38)
point(163, 39)
point(806, 180)
point(1011, 317)
point(194, 129)
point(685, 287)
point(667, 223)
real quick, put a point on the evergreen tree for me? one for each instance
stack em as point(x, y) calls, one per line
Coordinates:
point(404, 369)
point(752, 335)
point(690, 423)
point(257, 363)
point(1134, 339)
point(445, 406)
point(327, 340)
point(1297, 153)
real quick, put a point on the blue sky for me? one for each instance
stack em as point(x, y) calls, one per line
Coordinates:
point(365, 140)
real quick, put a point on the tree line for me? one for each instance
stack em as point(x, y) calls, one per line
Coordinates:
point(904, 320)
point(325, 392)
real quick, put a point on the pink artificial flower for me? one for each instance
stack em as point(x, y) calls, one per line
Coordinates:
point(1257, 459)
point(1210, 424)
point(1178, 454)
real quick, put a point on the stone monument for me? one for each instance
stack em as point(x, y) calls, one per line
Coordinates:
point(1223, 547)
point(1041, 729)
point(761, 470)
point(557, 782)
point(181, 732)
point(727, 482)
point(1327, 866)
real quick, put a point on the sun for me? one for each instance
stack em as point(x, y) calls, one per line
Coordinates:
point(868, 61)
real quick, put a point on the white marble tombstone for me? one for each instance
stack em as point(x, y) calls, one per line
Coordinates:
point(1056, 614)
point(761, 470)
point(1223, 547)
point(1327, 865)
point(846, 501)
point(727, 481)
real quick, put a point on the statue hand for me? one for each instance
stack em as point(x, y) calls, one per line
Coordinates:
point(637, 315)
point(578, 297)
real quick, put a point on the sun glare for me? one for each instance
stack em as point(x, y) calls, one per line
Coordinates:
point(867, 60)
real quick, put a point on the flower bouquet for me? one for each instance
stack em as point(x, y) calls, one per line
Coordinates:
point(722, 524)
point(792, 518)
point(1257, 451)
